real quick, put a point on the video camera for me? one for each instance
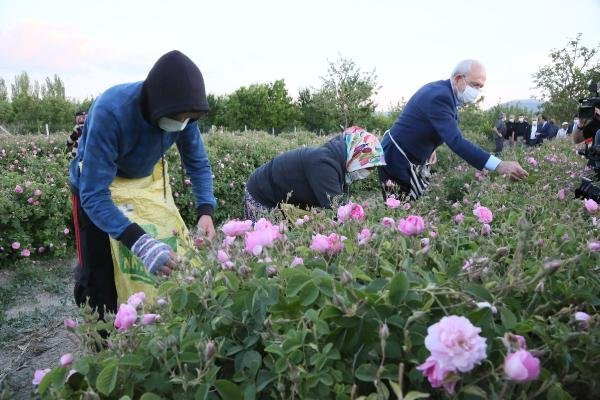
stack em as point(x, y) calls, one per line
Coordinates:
point(589, 188)
point(587, 105)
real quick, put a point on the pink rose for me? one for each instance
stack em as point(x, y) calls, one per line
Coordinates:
point(15, 245)
point(350, 211)
point(458, 218)
point(228, 241)
point(455, 344)
point(187, 182)
point(331, 244)
point(70, 323)
point(18, 189)
point(388, 222)
point(27, 183)
point(125, 317)
point(392, 202)
point(514, 342)
point(66, 231)
point(66, 360)
point(561, 194)
point(484, 214)
point(432, 234)
point(436, 375)
point(406, 206)
point(581, 316)
point(296, 261)
point(264, 235)
point(37, 192)
point(30, 200)
point(236, 227)
point(389, 183)
point(411, 226)
point(521, 366)
point(363, 236)
point(590, 205)
point(532, 161)
point(136, 299)
point(25, 253)
point(594, 245)
point(161, 301)
point(320, 243)
point(148, 319)
point(39, 375)
point(222, 257)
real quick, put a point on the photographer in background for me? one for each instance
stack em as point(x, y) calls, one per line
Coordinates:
point(587, 129)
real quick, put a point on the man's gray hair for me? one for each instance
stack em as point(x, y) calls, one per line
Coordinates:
point(462, 68)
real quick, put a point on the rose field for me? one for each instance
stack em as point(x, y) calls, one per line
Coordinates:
point(482, 289)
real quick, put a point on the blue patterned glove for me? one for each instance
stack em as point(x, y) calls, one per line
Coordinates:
point(152, 252)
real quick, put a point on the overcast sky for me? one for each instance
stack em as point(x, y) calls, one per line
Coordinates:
point(93, 45)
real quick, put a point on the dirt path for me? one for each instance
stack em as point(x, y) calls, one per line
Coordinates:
point(36, 297)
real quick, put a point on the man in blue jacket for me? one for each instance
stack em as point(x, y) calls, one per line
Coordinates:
point(127, 131)
point(429, 119)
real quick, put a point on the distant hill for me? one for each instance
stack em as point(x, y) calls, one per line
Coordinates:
point(530, 104)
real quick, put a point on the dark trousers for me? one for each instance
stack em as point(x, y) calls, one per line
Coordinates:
point(499, 144)
point(94, 274)
point(398, 189)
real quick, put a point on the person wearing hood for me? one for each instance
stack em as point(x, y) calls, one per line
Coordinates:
point(128, 130)
point(429, 119)
point(312, 176)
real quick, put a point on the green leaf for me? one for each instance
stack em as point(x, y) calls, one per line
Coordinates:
point(107, 378)
point(264, 378)
point(366, 372)
point(179, 299)
point(309, 295)
point(202, 392)
point(509, 320)
point(228, 390)
point(150, 396)
point(556, 392)
point(55, 378)
point(413, 395)
point(82, 366)
point(398, 288)
point(475, 391)
point(296, 283)
point(479, 292)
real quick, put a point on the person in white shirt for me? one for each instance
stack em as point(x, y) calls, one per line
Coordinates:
point(562, 132)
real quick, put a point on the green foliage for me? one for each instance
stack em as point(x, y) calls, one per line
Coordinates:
point(565, 79)
point(313, 331)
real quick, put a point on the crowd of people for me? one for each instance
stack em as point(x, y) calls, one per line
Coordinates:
point(511, 131)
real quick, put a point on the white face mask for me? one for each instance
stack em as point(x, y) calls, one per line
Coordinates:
point(357, 175)
point(172, 125)
point(468, 95)
point(520, 119)
point(512, 120)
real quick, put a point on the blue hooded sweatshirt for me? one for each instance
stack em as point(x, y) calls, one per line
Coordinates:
point(121, 137)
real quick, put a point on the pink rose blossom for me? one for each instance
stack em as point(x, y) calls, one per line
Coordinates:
point(425, 242)
point(125, 317)
point(36, 203)
point(514, 342)
point(222, 256)
point(39, 375)
point(406, 206)
point(594, 245)
point(187, 182)
point(70, 323)
point(389, 183)
point(264, 235)
point(484, 214)
point(411, 226)
point(25, 253)
point(161, 301)
point(432, 234)
point(228, 241)
point(590, 205)
point(66, 231)
point(331, 244)
point(136, 299)
point(532, 161)
point(521, 366)
point(350, 211)
point(236, 227)
point(66, 360)
point(436, 375)
point(30, 200)
point(458, 218)
point(455, 344)
point(392, 202)
point(388, 222)
point(364, 236)
point(148, 319)
point(15, 245)
point(479, 176)
point(37, 192)
point(27, 184)
point(296, 261)
point(18, 189)
point(581, 316)
point(561, 194)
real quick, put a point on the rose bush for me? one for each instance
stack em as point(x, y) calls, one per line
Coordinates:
point(312, 315)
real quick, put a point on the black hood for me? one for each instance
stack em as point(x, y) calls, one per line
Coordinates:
point(174, 85)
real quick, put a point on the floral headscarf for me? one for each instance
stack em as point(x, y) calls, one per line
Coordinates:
point(363, 149)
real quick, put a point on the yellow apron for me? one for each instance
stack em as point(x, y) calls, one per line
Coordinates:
point(143, 201)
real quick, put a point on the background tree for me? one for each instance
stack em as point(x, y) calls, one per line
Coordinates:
point(316, 112)
point(565, 79)
point(349, 92)
point(6, 112)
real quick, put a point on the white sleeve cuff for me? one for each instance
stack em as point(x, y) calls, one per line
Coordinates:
point(492, 163)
